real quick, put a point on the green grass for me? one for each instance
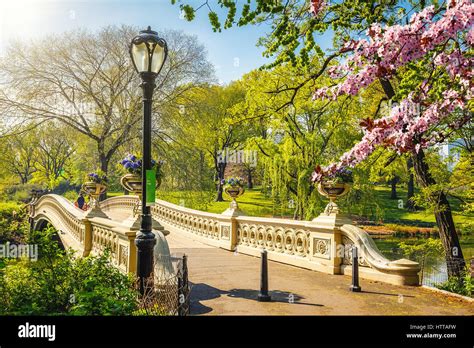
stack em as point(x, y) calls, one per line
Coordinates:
point(393, 214)
point(114, 194)
point(253, 202)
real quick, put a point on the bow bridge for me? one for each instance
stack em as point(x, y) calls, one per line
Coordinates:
point(321, 245)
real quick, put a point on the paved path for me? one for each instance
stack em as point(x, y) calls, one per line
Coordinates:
point(227, 283)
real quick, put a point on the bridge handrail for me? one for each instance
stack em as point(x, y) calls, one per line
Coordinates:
point(92, 234)
point(314, 244)
point(62, 214)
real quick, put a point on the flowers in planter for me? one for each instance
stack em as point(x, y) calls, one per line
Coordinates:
point(233, 182)
point(133, 165)
point(332, 174)
point(98, 177)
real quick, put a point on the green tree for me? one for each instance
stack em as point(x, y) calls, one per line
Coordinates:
point(205, 119)
point(88, 83)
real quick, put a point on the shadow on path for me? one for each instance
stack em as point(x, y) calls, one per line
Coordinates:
point(203, 292)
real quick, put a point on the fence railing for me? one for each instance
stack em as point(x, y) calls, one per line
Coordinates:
point(168, 292)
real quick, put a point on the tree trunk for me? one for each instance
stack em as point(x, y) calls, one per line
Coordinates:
point(443, 214)
point(220, 177)
point(444, 218)
point(393, 184)
point(249, 178)
point(410, 186)
point(104, 167)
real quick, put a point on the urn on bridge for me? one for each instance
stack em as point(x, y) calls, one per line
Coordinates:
point(233, 187)
point(332, 190)
point(333, 182)
point(132, 182)
point(95, 186)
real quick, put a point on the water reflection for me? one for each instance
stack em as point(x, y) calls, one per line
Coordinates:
point(434, 270)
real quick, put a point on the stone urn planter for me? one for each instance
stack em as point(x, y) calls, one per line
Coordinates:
point(132, 183)
point(233, 192)
point(94, 190)
point(333, 190)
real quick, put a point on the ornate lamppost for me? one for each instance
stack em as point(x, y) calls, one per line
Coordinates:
point(148, 52)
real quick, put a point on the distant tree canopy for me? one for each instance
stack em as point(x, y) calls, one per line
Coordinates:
point(88, 83)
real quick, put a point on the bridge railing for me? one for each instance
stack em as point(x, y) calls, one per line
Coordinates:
point(314, 245)
point(317, 245)
point(84, 234)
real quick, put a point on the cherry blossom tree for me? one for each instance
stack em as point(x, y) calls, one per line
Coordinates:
point(433, 53)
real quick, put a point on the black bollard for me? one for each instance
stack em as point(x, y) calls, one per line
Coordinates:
point(183, 296)
point(355, 271)
point(263, 296)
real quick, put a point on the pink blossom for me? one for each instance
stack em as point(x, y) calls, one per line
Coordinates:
point(390, 48)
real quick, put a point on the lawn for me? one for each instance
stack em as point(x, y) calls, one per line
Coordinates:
point(394, 214)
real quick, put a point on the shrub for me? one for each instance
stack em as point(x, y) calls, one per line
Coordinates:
point(59, 283)
point(13, 222)
point(19, 192)
point(422, 249)
point(463, 285)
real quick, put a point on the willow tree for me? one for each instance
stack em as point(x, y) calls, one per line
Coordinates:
point(294, 133)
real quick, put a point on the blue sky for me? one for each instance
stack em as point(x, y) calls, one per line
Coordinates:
point(233, 52)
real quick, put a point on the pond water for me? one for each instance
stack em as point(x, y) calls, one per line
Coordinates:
point(434, 270)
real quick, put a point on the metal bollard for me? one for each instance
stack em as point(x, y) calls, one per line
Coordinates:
point(263, 296)
point(355, 271)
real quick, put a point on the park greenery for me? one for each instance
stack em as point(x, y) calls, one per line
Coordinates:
point(59, 283)
point(395, 86)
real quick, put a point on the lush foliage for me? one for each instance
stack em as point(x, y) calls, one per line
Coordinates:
point(463, 285)
point(13, 223)
point(421, 250)
point(59, 283)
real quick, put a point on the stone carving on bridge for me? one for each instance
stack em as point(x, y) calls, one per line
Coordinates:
point(225, 232)
point(347, 259)
point(322, 248)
